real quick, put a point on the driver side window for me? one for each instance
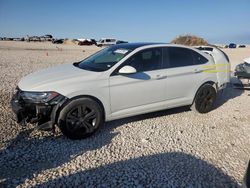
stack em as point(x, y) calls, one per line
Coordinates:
point(146, 60)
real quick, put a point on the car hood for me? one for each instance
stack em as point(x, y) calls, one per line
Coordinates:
point(57, 77)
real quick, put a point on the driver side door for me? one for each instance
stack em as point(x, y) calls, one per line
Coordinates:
point(138, 92)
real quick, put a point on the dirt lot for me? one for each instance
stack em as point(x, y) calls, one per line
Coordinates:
point(171, 148)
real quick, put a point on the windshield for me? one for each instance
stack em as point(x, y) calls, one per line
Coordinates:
point(104, 59)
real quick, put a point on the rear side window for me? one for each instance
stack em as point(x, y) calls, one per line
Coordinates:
point(180, 57)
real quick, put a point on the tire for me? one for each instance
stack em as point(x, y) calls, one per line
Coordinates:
point(204, 99)
point(80, 118)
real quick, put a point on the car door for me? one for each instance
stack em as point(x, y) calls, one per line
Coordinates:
point(107, 42)
point(184, 74)
point(145, 87)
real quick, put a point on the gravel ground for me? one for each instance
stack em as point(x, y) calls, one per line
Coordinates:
point(171, 148)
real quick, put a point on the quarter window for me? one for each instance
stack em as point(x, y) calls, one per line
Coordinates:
point(146, 60)
point(180, 57)
point(199, 59)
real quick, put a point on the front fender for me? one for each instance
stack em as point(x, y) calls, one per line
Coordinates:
point(102, 96)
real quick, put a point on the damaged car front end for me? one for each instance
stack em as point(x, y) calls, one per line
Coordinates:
point(37, 107)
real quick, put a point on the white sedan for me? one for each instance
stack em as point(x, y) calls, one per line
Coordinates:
point(121, 81)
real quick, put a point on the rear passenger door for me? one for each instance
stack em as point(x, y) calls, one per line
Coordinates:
point(184, 74)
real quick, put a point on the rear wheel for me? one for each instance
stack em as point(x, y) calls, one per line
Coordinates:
point(204, 99)
point(80, 118)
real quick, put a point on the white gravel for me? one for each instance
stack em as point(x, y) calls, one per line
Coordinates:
point(171, 148)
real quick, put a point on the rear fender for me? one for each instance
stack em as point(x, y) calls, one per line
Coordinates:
point(221, 67)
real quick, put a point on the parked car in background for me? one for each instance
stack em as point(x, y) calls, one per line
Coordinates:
point(106, 42)
point(38, 39)
point(8, 39)
point(46, 38)
point(87, 42)
point(242, 70)
point(33, 38)
point(232, 45)
point(18, 39)
point(242, 46)
point(120, 81)
point(57, 41)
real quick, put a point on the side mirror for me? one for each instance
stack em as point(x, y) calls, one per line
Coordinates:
point(127, 70)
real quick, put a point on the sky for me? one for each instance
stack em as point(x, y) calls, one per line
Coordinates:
point(217, 21)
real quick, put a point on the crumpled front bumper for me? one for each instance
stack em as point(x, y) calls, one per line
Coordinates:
point(17, 109)
point(44, 114)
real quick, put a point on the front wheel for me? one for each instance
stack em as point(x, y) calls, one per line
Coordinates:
point(80, 118)
point(204, 99)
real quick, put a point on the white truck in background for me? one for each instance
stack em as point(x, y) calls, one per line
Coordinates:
point(106, 42)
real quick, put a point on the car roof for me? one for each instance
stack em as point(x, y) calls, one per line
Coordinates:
point(132, 46)
point(142, 45)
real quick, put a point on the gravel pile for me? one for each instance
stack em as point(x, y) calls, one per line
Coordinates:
point(171, 148)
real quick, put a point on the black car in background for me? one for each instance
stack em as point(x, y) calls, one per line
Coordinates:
point(87, 42)
point(57, 41)
point(232, 45)
point(242, 46)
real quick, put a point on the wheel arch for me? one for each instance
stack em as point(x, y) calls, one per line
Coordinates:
point(207, 82)
point(79, 97)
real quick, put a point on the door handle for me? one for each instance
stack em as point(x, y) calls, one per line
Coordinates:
point(198, 70)
point(160, 77)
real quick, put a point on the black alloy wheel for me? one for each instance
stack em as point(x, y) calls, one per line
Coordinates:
point(204, 99)
point(80, 118)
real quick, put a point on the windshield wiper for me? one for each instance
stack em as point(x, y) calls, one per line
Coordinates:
point(86, 67)
point(76, 64)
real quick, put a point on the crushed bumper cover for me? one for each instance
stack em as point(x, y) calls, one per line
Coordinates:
point(42, 114)
point(18, 111)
